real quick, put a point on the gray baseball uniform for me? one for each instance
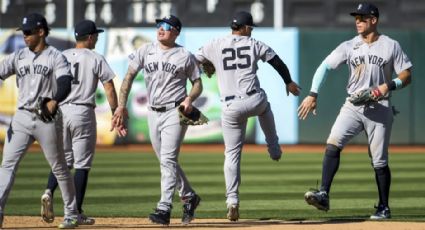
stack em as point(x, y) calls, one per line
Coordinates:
point(87, 67)
point(235, 59)
point(36, 77)
point(369, 66)
point(166, 73)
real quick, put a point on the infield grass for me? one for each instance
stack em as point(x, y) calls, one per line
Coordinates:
point(128, 185)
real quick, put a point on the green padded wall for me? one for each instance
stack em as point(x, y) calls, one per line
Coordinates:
point(315, 45)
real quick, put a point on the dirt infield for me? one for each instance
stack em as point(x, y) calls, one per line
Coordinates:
point(22, 222)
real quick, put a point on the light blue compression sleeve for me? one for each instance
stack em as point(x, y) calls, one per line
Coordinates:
point(319, 77)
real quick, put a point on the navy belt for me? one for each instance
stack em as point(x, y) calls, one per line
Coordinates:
point(165, 108)
point(29, 110)
point(252, 92)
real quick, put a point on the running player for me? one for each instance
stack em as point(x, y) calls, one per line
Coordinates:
point(166, 68)
point(371, 58)
point(79, 133)
point(235, 59)
point(41, 71)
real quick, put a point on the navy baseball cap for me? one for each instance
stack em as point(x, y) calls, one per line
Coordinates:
point(86, 27)
point(366, 9)
point(243, 18)
point(172, 20)
point(33, 21)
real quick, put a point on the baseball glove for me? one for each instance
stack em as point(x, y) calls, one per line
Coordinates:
point(208, 68)
point(195, 117)
point(41, 110)
point(365, 96)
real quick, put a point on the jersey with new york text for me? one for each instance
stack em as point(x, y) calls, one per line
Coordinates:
point(235, 60)
point(36, 73)
point(370, 65)
point(87, 68)
point(165, 71)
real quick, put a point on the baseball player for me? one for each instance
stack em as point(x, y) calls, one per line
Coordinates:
point(79, 133)
point(41, 71)
point(166, 68)
point(235, 59)
point(371, 58)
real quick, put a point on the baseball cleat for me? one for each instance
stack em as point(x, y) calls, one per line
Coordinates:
point(189, 208)
point(382, 213)
point(275, 152)
point(318, 199)
point(84, 220)
point(47, 207)
point(233, 212)
point(275, 157)
point(160, 217)
point(68, 223)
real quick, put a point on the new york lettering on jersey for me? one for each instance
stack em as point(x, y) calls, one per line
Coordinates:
point(371, 59)
point(165, 66)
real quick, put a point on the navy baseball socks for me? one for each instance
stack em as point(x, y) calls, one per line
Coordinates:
point(383, 181)
point(320, 199)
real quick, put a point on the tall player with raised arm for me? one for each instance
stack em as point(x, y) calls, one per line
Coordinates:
point(371, 58)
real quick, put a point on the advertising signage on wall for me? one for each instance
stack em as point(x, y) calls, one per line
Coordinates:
point(116, 44)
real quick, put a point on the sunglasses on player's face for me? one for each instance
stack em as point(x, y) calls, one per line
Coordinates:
point(165, 26)
point(29, 32)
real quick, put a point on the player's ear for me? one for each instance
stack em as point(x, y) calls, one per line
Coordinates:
point(41, 32)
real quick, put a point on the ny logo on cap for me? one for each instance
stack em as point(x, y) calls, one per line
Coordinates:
point(360, 6)
point(24, 21)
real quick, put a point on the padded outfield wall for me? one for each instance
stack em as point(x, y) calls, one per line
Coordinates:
point(409, 124)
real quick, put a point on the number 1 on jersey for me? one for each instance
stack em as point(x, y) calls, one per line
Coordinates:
point(75, 80)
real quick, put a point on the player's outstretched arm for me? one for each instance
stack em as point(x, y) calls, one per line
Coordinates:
point(308, 105)
point(293, 88)
point(310, 102)
point(282, 69)
point(121, 114)
point(111, 95)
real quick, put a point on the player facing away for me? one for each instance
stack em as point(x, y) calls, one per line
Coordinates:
point(41, 71)
point(166, 68)
point(79, 132)
point(235, 58)
point(371, 58)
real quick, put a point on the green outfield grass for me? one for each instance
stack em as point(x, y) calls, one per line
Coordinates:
point(128, 185)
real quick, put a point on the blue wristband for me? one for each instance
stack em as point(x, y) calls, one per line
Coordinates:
point(395, 84)
point(398, 83)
